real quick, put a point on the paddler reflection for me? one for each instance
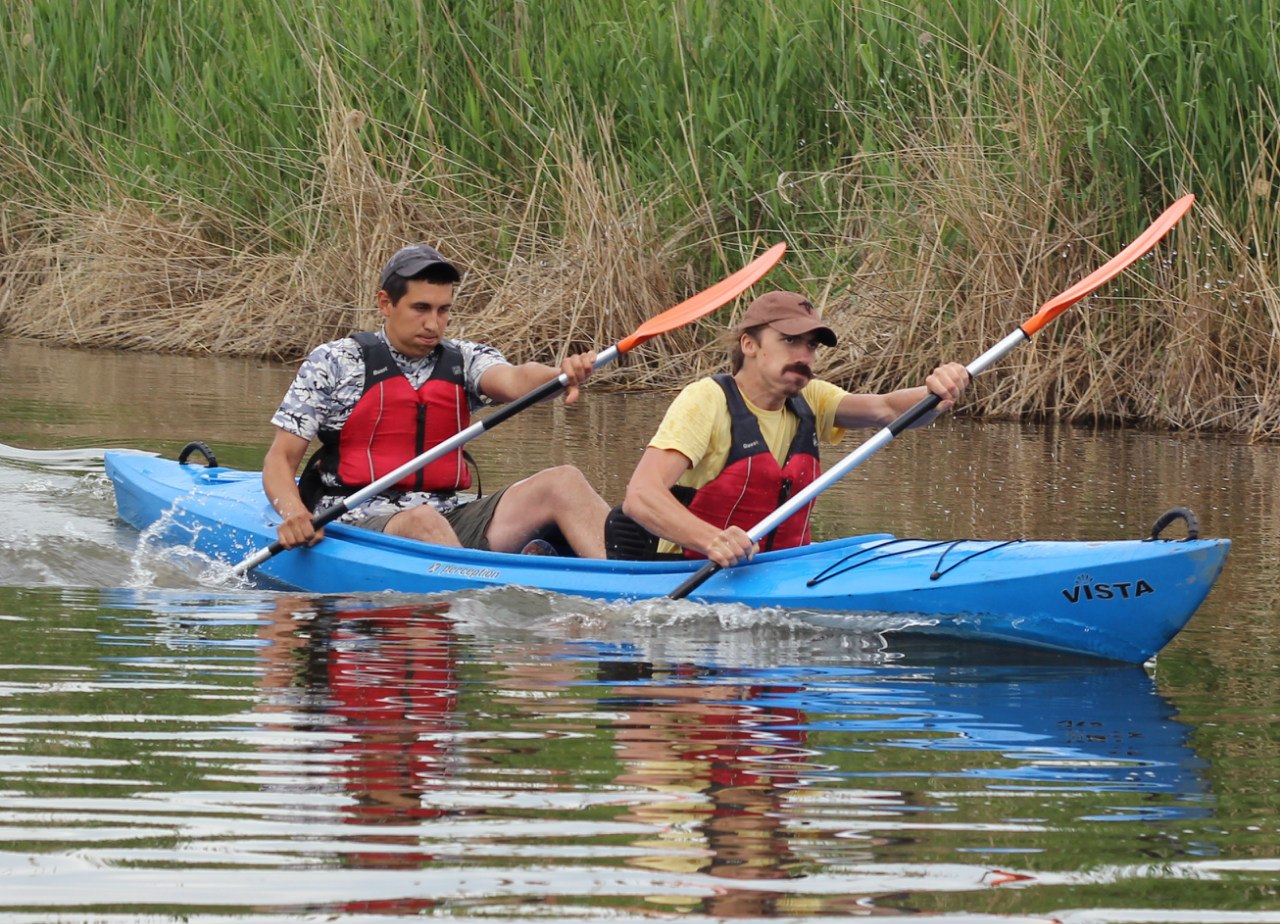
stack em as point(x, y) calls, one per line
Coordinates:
point(383, 682)
point(730, 755)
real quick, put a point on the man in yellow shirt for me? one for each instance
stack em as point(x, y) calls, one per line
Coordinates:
point(738, 445)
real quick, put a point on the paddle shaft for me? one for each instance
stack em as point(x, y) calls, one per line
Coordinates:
point(1023, 333)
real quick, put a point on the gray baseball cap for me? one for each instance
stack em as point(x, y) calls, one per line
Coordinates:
point(411, 260)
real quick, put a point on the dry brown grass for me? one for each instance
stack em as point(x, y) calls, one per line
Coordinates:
point(541, 282)
point(583, 275)
point(1189, 339)
point(1189, 342)
point(1161, 351)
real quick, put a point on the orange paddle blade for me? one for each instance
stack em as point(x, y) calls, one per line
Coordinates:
point(706, 301)
point(1112, 268)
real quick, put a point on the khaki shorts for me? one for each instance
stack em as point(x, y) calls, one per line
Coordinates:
point(470, 522)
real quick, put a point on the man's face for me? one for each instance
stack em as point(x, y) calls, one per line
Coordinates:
point(784, 363)
point(415, 324)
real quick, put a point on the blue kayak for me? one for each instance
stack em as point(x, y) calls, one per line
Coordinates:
point(1121, 600)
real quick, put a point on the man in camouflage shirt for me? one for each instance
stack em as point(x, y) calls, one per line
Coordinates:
point(443, 381)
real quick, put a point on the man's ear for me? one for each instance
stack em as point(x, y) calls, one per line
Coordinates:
point(384, 302)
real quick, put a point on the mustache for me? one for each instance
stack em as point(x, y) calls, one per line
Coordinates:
point(801, 368)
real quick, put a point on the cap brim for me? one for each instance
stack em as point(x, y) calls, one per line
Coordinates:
point(411, 268)
point(794, 328)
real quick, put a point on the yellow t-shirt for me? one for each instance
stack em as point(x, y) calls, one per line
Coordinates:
point(697, 425)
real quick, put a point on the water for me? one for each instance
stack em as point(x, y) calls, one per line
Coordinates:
point(173, 746)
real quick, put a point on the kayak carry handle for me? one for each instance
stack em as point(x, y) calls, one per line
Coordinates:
point(1177, 513)
point(197, 446)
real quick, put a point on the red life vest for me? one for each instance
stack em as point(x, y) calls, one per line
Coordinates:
point(752, 484)
point(392, 423)
point(389, 676)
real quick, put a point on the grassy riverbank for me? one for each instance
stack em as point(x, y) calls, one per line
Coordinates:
point(209, 177)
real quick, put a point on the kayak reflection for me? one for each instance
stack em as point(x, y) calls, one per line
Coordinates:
point(738, 772)
point(1100, 727)
point(830, 763)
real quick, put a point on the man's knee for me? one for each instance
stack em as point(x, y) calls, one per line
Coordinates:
point(424, 523)
point(568, 481)
point(554, 485)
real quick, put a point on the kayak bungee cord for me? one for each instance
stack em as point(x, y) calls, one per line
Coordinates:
point(846, 564)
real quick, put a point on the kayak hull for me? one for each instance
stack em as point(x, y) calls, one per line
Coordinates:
point(1121, 600)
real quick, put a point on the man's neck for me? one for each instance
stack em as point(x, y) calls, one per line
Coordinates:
point(756, 391)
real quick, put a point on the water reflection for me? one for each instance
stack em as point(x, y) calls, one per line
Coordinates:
point(779, 758)
point(741, 773)
point(385, 679)
point(729, 763)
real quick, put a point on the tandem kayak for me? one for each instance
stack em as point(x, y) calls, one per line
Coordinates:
point(1122, 600)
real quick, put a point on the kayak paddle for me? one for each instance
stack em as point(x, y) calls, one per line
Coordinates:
point(1050, 310)
point(689, 310)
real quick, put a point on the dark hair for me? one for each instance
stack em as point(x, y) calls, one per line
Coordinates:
point(436, 273)
point(734, 338)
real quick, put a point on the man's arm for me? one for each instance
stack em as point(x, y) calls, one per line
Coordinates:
point(947, 381)
point(279, 468)
point(650, 503)
point(504, 383)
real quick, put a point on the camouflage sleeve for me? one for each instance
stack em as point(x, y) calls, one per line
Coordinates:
point(477, 358)
point(321, 394)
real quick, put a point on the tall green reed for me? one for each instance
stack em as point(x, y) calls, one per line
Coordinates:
point(712, 99)
point(963, 156)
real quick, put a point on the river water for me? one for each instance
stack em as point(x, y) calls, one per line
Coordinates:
point(176, 748)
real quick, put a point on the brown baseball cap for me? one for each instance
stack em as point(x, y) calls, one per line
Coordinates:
point(787, 313)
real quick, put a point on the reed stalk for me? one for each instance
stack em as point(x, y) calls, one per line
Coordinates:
point(226, 178)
